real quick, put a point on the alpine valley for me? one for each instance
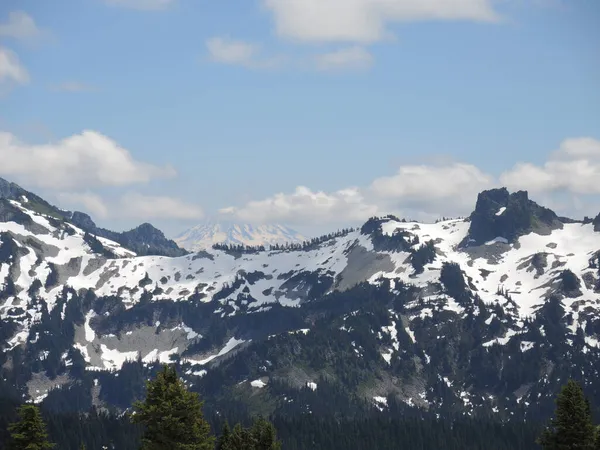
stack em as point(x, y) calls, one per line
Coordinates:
point(483, 316)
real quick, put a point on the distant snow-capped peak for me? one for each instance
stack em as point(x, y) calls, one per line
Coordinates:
point(211, 232)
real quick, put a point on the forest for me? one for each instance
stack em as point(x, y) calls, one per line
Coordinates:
point(172, 417)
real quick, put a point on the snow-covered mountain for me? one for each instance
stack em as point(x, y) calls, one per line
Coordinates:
point(210, 232)
point(472, 315)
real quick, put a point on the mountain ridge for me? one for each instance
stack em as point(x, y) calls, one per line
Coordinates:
point(144, 239)
point(395, 312)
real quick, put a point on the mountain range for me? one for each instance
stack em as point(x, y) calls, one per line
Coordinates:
point(211, 232)
point(481, 316)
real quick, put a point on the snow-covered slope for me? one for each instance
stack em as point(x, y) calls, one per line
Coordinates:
point(503, 264)
point(205, 235)
point(269, 277)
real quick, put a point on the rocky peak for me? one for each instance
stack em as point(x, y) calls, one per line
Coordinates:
point(83, 221)
point(596, 223)
point(147, 240)
point(10, 190)
point(499, 214)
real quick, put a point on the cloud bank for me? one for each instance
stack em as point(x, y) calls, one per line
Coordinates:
point(426, 192)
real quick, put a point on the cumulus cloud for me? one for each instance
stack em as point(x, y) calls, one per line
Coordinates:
point(144, 207)
point(442, 189)
point(11, 69)
point(20, 26)
point(306, 206)
point(366, 21)
point(84, 160)
point(567, 181)
point(346, 58)
point(573, 168)
point(144, 5)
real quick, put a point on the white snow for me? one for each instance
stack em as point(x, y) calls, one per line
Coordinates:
point(258, 384)
point(90, 335)
point(230, 345)
point(501, 211)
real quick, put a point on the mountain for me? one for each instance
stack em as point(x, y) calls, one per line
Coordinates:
point(205, 235)
point(142, 240)
point(484, 316)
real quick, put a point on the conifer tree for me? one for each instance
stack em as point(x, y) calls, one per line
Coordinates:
point(29, 433)
point(225, 440)
point(264, 435)
point(172, 416)
point(597, 444)
point(241, 438)
point(572, 426)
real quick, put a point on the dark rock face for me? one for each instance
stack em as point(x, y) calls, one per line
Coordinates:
point(9, 190)
point(596, 223)
point(143, 240)
point(82, 221)
point(148, 240)
point(520, 216)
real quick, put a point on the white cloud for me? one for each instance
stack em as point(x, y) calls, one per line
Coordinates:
point(20, 26)
point(91, 202)
point(225, 50)
point(73, 86)
point(346, 58)
point(83, 160)
point(366, 21)
point(305, 206)
point(144, 207)
point(229, 51)
point(441, 189)
point(574, 168)
point(568, 181)
point(144, 5)
point(11, 69)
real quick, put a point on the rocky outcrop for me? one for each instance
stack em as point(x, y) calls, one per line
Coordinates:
point(499, 214)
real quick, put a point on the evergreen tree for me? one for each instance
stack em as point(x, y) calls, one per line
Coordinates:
point(264, 435)
point(225, 440)
point(172, 416)
point(29, 433)
point(241, 438)
point(597, 444)
point(572, 426)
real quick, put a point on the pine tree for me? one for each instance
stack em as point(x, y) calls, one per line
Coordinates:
point(241, 438)
point(597, 444)
point(572, 426)
point(225, 440)
point(265, 435)
point(29, 433)
point(172, 416)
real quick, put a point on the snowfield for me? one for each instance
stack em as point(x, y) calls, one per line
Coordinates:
point(495, 271)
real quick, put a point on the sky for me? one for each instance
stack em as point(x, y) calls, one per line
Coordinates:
point(317, 114)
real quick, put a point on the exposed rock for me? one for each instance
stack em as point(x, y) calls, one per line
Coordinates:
point(499, 214)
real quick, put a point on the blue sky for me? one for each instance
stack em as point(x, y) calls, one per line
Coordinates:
point(312, 113)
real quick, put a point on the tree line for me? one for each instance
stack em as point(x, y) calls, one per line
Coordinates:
point(308, 244)
point(171, 418)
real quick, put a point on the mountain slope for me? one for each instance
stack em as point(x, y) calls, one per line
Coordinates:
point(142, 240)
point(205, 235)
point(428, 316)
